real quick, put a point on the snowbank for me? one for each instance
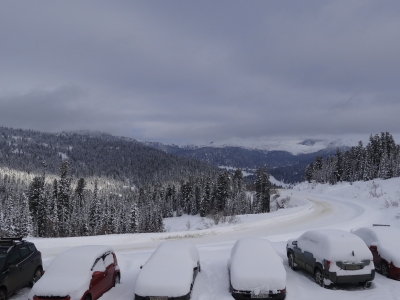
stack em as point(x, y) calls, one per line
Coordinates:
point(169, 270)
point(255, 266)
point(378, 194)
point(70, 273)
point(387, 240)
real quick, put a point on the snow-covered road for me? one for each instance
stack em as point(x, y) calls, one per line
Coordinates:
point(321, 211)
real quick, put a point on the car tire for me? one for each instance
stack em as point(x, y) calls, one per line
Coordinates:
point(3, 294)
point(292, 264)
point(117, 279)
point(36, 276)
point(319, 278)
point(385, 269)
point(367, 284)
point(87, 297)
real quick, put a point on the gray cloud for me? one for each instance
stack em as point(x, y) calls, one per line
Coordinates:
point(205, 70)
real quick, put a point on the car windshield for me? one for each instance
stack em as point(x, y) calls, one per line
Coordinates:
point(3, 254)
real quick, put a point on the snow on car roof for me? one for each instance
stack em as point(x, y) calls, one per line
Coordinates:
point(169, 270)
point(387, 240)
point(70, 272)
point(256, 267)
point(335, 245)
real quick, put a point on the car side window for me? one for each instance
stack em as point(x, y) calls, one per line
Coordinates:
point(24, 252)
point(14, 258)
point(108, 259)
point(31, 248)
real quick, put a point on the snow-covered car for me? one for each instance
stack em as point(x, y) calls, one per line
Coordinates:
point(169, 273)
point(384, 243)
point(256, 271)
point(332, 256)
point(81, 273)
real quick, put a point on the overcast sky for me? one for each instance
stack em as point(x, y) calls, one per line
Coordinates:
point(189, 71)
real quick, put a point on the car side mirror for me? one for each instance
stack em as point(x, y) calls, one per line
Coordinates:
point(374, 248)
point(12, 267)
point(294, 243)
point(96, 273)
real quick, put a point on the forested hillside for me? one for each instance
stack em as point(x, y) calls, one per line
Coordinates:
point(95, 154)
point(379, 159)
point(76, 184)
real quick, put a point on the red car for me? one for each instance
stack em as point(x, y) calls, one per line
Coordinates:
point(81, 273)
point(384, 243)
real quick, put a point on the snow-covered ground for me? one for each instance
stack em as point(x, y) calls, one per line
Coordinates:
point(343, 206)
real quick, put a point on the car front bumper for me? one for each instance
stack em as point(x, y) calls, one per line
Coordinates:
point(332, 276)
point(248, 295)
point(185, 297)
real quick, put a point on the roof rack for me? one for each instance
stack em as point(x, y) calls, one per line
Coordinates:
point(10, 241)
point(12, 238)
point(380, 225)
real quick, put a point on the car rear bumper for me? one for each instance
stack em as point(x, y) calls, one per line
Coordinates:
point(247, 295)
point(186, 297)
point(332, 276)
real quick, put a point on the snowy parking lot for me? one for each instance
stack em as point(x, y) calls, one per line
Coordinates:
point(341, 207)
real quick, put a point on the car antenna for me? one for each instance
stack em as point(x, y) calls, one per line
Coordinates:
point(352, 253)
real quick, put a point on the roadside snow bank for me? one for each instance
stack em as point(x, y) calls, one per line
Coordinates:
point(186, 223)
point(379, 194)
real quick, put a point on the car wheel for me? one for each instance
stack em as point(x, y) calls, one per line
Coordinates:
point(319, 279)
point(117, 279)
point(291, 261)
point(367, 285)
point(87, 297)
point(385, 269)
point(3, 295)
point(36, 276)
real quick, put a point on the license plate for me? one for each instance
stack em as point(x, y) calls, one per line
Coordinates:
point(352, 267)
point(158, 298)
point(260, 296)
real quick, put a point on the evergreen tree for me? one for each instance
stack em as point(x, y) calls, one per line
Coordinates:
point(134, 220)
point(265, 191)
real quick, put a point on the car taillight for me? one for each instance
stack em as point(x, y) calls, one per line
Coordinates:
point(328, 264)
point(40, 253)
point(42, 272)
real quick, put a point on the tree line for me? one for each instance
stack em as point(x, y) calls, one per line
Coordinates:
point(379, 159)
point(46, 205)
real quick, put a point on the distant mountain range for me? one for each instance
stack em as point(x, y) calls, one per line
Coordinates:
point(95, 153)
point(286, 160)
point(293, 146)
